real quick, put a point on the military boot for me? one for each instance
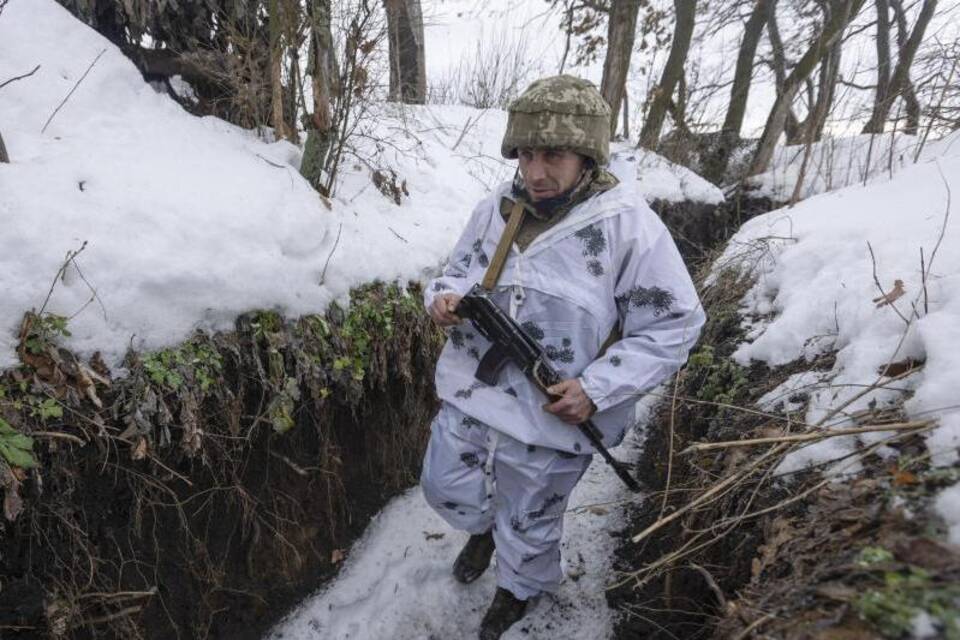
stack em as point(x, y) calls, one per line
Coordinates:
point(474, 558)
point(505, 610)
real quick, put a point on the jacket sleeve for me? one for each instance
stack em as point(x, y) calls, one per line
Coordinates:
point(660, 317)
point(453, 278)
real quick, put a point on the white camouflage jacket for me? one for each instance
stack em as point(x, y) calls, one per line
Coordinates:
point(609, 261)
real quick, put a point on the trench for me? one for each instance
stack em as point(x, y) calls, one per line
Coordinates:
point(222, 481)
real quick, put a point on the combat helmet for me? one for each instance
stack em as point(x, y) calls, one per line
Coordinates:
point(560, 111)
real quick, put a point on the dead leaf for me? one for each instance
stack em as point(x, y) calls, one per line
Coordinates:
point(433, 536)
point(891, 296)
point(837, 591)
point(598, 511)
point(928, 553)
point(140, 450)
point(903, 478)
point(899, 368)
point(337, 556)
point(12, 502)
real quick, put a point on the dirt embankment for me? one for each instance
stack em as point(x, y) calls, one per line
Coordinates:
point(215, 484)
point(725, 548)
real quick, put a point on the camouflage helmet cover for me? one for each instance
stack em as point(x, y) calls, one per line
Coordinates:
point(562, 112)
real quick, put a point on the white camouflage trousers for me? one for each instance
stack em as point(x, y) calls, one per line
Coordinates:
point(477, 478)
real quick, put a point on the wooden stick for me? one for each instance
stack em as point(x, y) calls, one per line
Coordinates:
point(808, 437)
point(67, 97)
point(715, 489)
point(58, 434)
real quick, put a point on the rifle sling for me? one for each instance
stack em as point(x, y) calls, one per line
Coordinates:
point(503, 247)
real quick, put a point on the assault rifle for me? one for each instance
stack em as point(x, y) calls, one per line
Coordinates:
point(511, 343)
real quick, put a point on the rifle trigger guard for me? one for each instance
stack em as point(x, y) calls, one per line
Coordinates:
point(535, 372)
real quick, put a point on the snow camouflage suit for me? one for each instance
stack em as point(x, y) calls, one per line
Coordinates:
point(496, 458)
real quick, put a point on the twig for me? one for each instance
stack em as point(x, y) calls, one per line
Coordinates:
point(398, 235)
point(120, 594)
point(923, 280)
point(323, 274)
point(876, 280)
point(71, 255)
point(271, 162)
point(15, 78)
point(808, 437)
point(129, 611)
point(67, 97)
point(753, 625)
point(58, 434)
point(712, 491)
point(712, 583)
point(290, 463)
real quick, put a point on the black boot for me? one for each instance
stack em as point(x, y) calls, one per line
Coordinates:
point(505, 610)
point(474, 558)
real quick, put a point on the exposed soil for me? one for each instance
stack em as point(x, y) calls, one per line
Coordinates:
point(217, 484)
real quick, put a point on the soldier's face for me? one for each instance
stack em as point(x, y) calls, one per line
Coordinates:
point(549, 172)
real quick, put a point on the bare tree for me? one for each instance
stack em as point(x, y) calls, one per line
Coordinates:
point(686, 11)
point(408, 76)
point(621, 32)
point(3, 151)
point(281, 15)
point(322, 70)
point(779, 60)
point(843, 12)
point(729, 137)
point(900, 83)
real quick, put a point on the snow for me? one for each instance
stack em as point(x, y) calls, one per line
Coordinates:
point(396, 583)
point(191, 221)
point(659, 179)
point(836, 162)
point(947, 506)
point(815, 292)
point(922, 626)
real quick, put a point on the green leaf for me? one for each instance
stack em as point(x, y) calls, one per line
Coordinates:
point(15, 447)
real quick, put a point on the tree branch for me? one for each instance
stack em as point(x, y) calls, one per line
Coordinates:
point(15, 78)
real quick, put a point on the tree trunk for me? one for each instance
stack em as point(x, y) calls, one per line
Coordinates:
point(276, 17)
point(883, 60)
point(3, 151)
point(686, 11)
point(792, 125)
point(716, 166)
point(829, 72)
point(900, 83)
point(322, 71)
point(408, 75)
point(908, 93)
point(626, 116)
point(621, 30)
point(832, 30)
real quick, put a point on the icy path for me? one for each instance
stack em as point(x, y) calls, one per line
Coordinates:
point(396, 583)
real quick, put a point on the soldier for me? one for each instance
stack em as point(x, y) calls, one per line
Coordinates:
point(589, 262)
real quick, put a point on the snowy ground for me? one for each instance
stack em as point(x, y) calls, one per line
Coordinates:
point(396, 583)
point(818, 290)
point(189, 222)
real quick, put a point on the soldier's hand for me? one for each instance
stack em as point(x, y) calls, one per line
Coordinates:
point(442, 309)
point(574, 405)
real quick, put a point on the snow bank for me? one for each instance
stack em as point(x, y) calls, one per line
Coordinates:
point(835, 163)
point(816, 292)
point(659, 179)
point(191, 221)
